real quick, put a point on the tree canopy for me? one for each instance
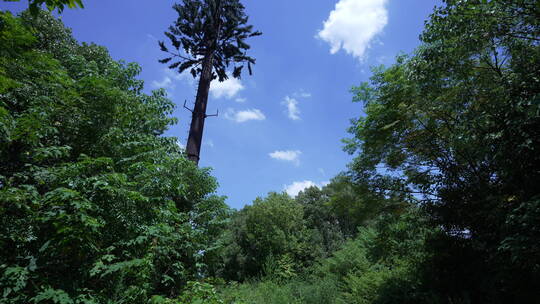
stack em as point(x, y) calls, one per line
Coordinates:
point(34, 5)
point(204, 27)
point(456, 126)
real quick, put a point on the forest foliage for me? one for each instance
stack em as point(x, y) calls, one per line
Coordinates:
point(440, 204)
point(96, 205)
point(35, 5)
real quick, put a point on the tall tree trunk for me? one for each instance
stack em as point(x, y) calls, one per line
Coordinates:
point(196, 128)
point(193, 147)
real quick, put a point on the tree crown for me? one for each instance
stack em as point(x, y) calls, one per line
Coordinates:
point(209, 27)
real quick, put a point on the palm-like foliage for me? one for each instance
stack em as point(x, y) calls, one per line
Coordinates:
point(207, 38)
point(209, 27)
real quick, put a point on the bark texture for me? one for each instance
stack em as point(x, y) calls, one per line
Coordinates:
point(193, 148)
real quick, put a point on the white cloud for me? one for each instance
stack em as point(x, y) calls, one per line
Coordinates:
point(302, 94)
point(291, 103)
point(353, 24)
point(296, 187)
point(170, 77)
point(166, 82)
point(228, 88)
point(292, 108)
point(382, 59)
point(180, 144)
point(241, 99)
point(289, 155)
point(243, 116)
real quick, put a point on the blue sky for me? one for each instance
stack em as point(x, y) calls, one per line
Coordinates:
point(280, 129)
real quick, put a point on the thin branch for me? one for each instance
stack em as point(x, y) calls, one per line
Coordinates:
point(178, 55)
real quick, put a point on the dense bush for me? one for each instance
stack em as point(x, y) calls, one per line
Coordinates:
point(382, 264)
point(95, 204)
point(455, 125)
point(269, 237)
point(299, 290)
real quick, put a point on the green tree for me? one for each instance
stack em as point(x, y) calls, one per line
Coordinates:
point(208, 36)
point(96, 205)
point(354, 205)
point(34, 5)
point(383, 263)
point(455, 126)
point(268, 237)
point(320, 217)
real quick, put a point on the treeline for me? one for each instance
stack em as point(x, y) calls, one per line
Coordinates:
point(280, 237)
point(441, 203)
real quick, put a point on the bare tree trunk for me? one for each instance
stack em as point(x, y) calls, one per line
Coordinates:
point(193, 147)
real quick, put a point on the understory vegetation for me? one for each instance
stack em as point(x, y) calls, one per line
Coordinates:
point(441, 203)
